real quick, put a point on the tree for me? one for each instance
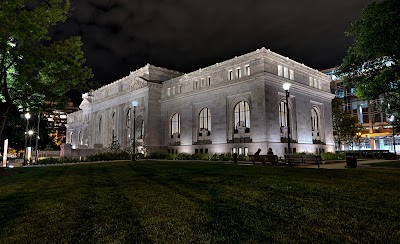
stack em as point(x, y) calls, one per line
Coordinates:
point(345, 127)
point(35, 70)
point(15, 128)
point(56, 138)
point(372, 63)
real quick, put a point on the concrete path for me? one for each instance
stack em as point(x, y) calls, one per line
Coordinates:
point(342, 165)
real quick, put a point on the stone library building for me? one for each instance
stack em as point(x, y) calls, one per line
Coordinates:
point(236, 106)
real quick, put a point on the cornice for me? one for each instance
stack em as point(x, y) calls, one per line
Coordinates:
point(299, 87)
point(220, 86)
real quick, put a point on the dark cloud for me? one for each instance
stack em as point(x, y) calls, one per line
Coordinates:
point(123, 35)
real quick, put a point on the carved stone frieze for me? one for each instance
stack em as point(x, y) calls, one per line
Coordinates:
point(138, 83)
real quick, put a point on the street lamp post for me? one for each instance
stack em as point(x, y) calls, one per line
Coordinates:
point(27, 117)
point(134, 104)
point(392, 119)
point(30, 134)
point(37, 140)
point(286, 87)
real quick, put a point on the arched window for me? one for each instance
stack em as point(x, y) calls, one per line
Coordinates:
point(80, 138)
point(113, 137)
point(242, 117)
point(282, 114)
point(205, 120)
point(128, 118)
point(142, 129)
point(315, 124)
point(175, 124)
point(99, 124)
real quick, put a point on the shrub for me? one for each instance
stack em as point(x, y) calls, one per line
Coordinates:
point(184, 156)
point(225, 157)
point(171, 156)
point(62, 160)
point(49, 161)
point(140, 155)
point(243, 157)
point(200, 156)
point(109, 156)
point(333, 156)
point(215, 157)
point(158, 155)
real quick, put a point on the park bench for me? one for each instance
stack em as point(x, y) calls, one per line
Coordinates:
point(299, 158)
point(273, 159)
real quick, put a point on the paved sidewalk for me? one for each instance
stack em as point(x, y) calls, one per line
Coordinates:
point(342, 165)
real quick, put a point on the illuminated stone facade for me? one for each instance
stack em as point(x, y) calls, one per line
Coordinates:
point(234, 106)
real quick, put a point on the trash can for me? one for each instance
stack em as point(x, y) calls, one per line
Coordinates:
point(351, 162)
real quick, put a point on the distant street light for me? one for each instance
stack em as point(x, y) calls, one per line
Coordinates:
point(27, 117)
point(286, 87)
point(134, 104)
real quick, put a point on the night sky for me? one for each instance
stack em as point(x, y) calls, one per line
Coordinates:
point(120, 36)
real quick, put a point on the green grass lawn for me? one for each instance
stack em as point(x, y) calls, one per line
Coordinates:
point(178, 202)
point(389, 164)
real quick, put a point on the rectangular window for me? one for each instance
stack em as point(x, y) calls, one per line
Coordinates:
point(280, 70)
point(230, 74)
point(285, 72)
point(203, 83)
point(238, 73)
point(206, 150)
point(291, 74)
point(179, 89)
point(311, 81)
point(169, 92)
point(247, 70)
point(315, 83)
point(246, 151)
point(196, 151)
point(233, 150)
point(201, 150)
point(240, 151)
point(194, 85)
point(319, 84)
point(173, 90)
point(209, 81)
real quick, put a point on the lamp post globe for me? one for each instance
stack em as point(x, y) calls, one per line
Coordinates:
point(134, 105)
point(27, 116)
point(286, 87)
